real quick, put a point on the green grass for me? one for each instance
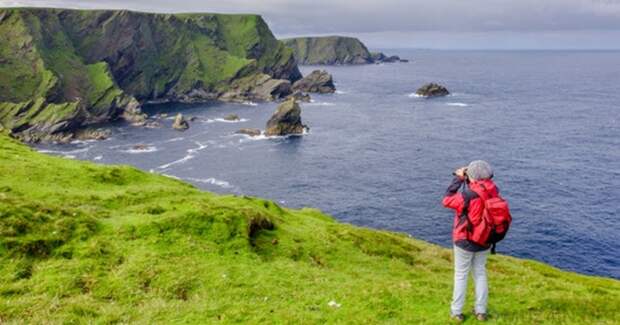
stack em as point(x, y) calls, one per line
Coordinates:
point(84, 243)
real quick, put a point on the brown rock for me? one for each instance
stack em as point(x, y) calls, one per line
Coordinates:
point(180, 123)
point(432, 90)
point(319, 81)
point(286, 120)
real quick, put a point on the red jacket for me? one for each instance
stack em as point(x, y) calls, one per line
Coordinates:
point(456, 200)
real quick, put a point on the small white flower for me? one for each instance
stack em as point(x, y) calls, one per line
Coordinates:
point(334, 304)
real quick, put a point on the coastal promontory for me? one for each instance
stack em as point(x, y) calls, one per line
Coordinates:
point(63, 69)
point(334, 50)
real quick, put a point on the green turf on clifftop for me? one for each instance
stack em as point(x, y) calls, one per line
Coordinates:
point(84, 243)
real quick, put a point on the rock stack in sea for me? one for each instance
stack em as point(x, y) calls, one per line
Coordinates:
point(180, 123)
point(432, 90)
point(286, 120)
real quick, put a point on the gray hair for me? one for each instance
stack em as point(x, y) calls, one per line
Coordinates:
point(479, 169)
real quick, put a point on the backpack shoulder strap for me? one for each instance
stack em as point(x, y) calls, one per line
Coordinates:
point(468, 195)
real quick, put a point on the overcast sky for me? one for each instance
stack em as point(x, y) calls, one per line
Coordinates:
point(445, 24)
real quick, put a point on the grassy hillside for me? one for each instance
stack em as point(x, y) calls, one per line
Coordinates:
point(329, 50)
point(84, 243)
point(88, 66)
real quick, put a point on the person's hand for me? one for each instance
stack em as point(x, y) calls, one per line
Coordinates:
point(460, 173)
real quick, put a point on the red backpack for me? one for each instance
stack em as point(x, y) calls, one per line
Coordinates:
point(495, 221)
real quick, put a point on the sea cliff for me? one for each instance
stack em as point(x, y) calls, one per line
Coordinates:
point(63, 69)
point(335, 50)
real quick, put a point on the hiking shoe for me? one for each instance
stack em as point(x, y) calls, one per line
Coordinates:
point(457, 318)
point(481, 317)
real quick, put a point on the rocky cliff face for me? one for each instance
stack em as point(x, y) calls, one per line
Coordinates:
point(62, 69)
point(335, 50)
point(329, 50)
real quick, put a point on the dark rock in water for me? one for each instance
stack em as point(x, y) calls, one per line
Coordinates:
point(249, 131)
point(299, 96)
point(432, 90)
point(286, 120)
point(232, 117)
point(193, 119)
point(140, 147)
point(404, 61)
point(377, 56)
point(180, 123)
point(392, 59)
point(319, 81)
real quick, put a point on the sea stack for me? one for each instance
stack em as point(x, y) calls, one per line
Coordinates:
point(180, 123)
point(286, 120)
point(432, 90)
point(319, 81)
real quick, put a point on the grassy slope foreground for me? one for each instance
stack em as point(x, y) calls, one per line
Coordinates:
point(82, 242)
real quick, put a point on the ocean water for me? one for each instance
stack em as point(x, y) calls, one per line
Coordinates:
point(377, 156)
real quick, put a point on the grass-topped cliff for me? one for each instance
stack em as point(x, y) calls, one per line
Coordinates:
point(60, 69)
point(329, 50)
point(84, 243)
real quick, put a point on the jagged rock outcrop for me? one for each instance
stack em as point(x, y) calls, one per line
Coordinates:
point(180, 123)
point(286, 120)
point(334, 50)
point(257, 88)
point(432, 90)
point(319, 81)
point(65, 69)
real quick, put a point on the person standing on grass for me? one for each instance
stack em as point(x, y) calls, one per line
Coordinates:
point(468, 254)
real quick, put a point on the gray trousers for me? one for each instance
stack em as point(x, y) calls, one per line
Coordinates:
point(463, 262)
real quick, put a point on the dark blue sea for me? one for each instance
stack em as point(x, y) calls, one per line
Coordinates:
point(376, 156)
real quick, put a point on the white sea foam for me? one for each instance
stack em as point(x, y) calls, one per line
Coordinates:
point(221, 120)
point(212, 181)
point(176, 162)
point(98, 158)
point(313, 103)
point(414, 95)
point(340, 92)
point(457, 104)
point(199, 148)
point(249, 103)
point(190, 155)
point(262, 136)
point(69, 156)
point(175, 139)
point(145, 149)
